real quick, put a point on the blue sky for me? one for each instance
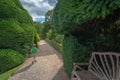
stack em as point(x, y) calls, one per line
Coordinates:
point(39, 19)
point(38, 8)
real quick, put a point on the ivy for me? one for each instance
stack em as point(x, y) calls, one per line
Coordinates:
point(69, 14)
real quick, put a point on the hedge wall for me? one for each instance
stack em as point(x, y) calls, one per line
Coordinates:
point(73, 51)
point(16, 27)
point(9, 59)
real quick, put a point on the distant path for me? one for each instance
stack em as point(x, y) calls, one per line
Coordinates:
point(49, 66)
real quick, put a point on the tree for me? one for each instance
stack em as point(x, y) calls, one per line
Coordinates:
point(48, 26)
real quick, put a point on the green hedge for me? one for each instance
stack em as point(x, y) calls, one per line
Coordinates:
point(73, 51)
point(9, 59)
point(59, 38)
point(51, 34)
point(11, 10)
point(13, 36)
point(17, 2)
point(16, 27)
point(37, 37)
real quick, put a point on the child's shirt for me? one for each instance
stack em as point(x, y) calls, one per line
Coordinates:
point(34, 50)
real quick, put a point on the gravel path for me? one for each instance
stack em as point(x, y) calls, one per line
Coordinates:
point(49, 66)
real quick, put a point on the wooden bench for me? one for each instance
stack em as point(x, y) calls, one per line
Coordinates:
point(102, 66)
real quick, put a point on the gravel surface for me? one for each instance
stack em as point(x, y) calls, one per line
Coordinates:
point(48, 66)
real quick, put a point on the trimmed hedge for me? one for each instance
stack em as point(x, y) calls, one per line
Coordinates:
point(16, 27)
point(17, 2)
point(73, 51)
point(9, 59)
point(11, 10)
point(13, 36)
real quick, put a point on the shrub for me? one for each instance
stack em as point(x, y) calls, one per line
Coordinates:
point(9, 59)
point(51, 34)
point(16, 27)
point(17, 2)
point(10, 10)
point(59, 38)
point(37, 37)
point(39, 26)
point(13, 36)
point(73, 51)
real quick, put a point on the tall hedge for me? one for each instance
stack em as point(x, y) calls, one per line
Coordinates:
point(73, 52)
point(9, 59)
point(16, 27)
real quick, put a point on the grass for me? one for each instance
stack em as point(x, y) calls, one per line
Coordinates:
point(6, 75)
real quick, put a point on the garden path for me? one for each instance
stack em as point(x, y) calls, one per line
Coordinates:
point(49, 66)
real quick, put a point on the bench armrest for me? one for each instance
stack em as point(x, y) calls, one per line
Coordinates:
point(79, 66)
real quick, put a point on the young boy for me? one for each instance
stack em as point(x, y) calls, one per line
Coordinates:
point(34, 51)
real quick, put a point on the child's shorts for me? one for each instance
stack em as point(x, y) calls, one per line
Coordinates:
point(34, 55)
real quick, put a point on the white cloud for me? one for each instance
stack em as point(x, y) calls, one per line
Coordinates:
point(38, 8)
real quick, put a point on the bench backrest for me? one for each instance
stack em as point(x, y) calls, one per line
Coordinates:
point(105, 65)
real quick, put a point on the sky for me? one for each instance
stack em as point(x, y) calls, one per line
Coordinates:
point(38, 8)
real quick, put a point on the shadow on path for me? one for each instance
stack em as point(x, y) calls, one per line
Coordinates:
point(60, 75)
point(23, 69)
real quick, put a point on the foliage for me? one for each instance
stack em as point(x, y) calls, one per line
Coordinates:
point(73, 51)
point(70, 14)
point(9, 59)
point(45, 29)
point(59, 38)
point(15, 36)
point(48, 16)
point(7, 74)
point(17, 2)
point(105, 43)
point(10, 10)
point(51, 34)
point(39, 27)
point(48, 24)
point(16, 27)
point(37, 37)
point(92, 24)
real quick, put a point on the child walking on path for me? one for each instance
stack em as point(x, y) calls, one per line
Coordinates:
point(34, 51)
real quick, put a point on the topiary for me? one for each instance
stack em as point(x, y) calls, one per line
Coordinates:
point(9, 59)
point(16, 27)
